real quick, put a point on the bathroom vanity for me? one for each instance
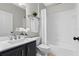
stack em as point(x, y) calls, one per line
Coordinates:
point(26, 47)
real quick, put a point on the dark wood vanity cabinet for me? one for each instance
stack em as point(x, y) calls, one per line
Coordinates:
point(28, 49)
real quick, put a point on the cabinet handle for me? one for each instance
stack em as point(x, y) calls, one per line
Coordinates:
point(22, 52)
point(28, 50)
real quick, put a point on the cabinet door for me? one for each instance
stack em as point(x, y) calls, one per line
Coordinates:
point(31, 49)
point(13, 52)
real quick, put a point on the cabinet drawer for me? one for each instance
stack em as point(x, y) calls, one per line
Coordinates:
point(31, 49)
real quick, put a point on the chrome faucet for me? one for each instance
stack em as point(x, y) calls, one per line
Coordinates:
point(11, 36)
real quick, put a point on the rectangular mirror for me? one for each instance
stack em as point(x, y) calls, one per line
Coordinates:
point(6, 23)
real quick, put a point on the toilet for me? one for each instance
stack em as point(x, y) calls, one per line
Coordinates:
point(43, 47)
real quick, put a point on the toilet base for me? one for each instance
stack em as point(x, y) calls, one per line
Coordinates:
point(43, 49)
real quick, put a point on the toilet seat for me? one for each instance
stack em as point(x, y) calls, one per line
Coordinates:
point(45, 49)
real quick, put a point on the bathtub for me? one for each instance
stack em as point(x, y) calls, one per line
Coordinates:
point(60, 51)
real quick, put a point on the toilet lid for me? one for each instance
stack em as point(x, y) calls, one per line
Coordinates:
point(43, 46)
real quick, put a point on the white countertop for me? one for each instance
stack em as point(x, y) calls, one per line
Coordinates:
point(5, 45)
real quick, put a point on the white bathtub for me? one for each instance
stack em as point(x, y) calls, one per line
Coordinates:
point(59, 51)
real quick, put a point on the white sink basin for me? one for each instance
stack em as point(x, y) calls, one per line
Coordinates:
point(16, 41)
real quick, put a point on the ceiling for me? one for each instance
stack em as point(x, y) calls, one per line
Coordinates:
point(22, 5)
point(47, 4)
